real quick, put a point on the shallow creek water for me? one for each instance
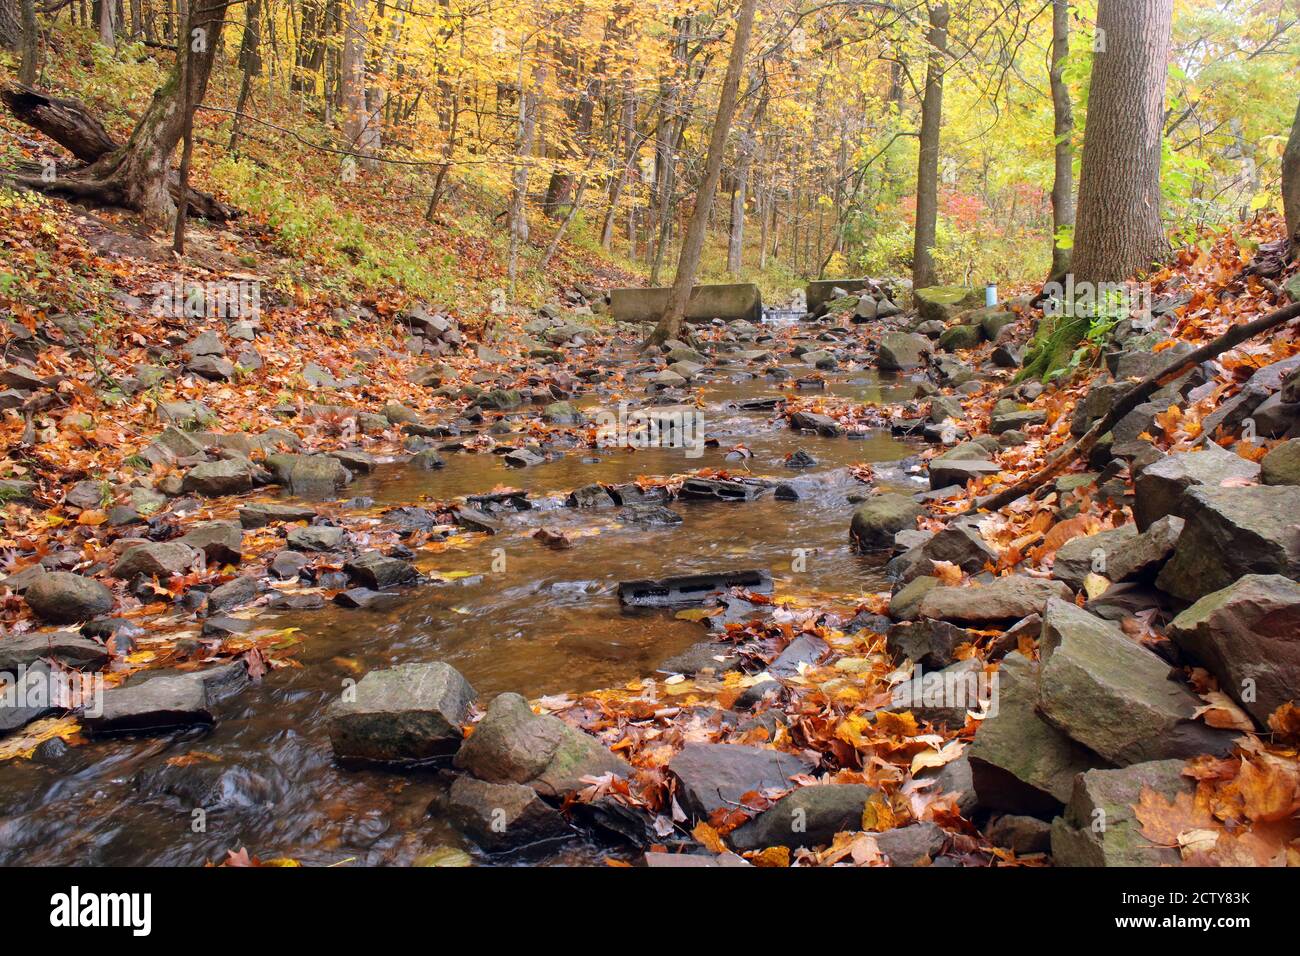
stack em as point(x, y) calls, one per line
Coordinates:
point(548, 623)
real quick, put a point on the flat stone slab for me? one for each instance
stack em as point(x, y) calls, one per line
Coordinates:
point(1008, 598)
point(718, 775)
point(166, 702)
point(691, 589)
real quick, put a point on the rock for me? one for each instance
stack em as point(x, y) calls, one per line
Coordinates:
point(881, 517)
point(1114, 696)
point(804, 649)
point(316, 538)
point(185, 413)
point(1281, 466)
point(942, 302)
point(357, 462)
point(905, 602)
point(1019, 762)
point(12, 489)
point(1107, 797)
point(913, 845)
point(1023, 835)
point(61, 597)
point(823, 425)
point(365, 598)
point(1248, 635)
point(159, 703)
point(800, 459)
point(1017, 420)
point(1230, 532)
point(408, 713)
point(719, 775)
point(511, 744)
point(205, 343)
point(87, 494)
point(589, 496)
point(649, 515)
point(377, 571)
point(704, 656)
point(312, 475)
point(947, 471)
point(259, 516)
point(994, 322)
point(960, 337)
point(960, 543)
point(1160, 488)
point(233, 593)
point(943, 697)
point(213, 368)
point(502, 816)
point(500, 399)
point(216, 478)
point(67, 647)
point(476, 520)
point(1145, 555)
point(929, 643)
point(1076, 559)
point(562, 413)
point(953, 778)
point(523, 458)
point(26, 698)
point(689, 589)
point(901, 351)
point(221, 541)
point(809, 816)
point(1005, 599)
point(154, 559)
point(1007, 356)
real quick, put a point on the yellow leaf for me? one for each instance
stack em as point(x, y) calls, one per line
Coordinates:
point(709, 837)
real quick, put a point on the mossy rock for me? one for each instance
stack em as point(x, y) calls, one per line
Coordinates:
point(943, 302)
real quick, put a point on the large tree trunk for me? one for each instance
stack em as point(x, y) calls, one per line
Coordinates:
point(137, 175)
point(1291, 185)
point(11, 25)
point(927, 169)
point(1118, 231)
point(1062, 129)
point(689, 261)
point(31, 44)
point(106, 23)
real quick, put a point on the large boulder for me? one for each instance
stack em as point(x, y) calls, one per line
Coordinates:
point(942, 302)
point(511, 744)
point(1160, 488)
point(1005, 599)
point(62, 597)
point(1248, 635)
point(902, 351)
point(1146, 554)
point(932, 644)
point(1114, 696)
point(1019, 762)
point(809, 816)
point(68, 647)
point(879, 518)
point(1231, 532)
point(408, 713)
point(711, 776)
point(1099, 827)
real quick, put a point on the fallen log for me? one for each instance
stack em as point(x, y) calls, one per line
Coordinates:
point(77, 130)
point(1130, 400)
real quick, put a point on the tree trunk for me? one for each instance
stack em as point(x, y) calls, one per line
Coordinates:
point(31, 44)
point(927, 170)
point(529, 107)
point(1118, 231)
point(1291, 185)
point(689, 261)
point(744, 163)
point(138, 175)
point(107, 26)
point(1062, 128)
point(250, 59)
point(352, 78)
point(11, 25)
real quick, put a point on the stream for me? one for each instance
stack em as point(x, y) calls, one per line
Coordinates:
point(549, 622)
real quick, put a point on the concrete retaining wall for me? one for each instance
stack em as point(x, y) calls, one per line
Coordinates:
point(741, 300)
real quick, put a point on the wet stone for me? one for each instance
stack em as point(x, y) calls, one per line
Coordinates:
point(220, 541)
point(377, 571)
point(161, 703)
point(719, 775)
point(409, 713)
point(316, 538)
point(66, 646)
point(260, 515)
point(502, 816)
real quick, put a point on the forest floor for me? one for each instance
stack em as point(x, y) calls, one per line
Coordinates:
point(174, 481)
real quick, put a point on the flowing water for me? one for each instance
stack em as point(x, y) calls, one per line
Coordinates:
point(546, 622)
